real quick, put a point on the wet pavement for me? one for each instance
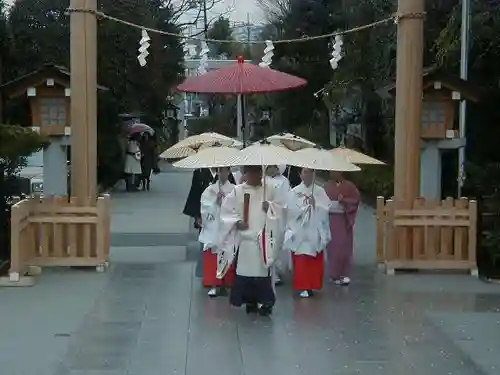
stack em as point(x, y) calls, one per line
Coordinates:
point(149, 315)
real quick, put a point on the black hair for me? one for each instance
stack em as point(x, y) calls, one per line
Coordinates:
point(252, 168)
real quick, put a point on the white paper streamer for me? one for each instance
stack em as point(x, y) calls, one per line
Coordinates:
point(203, 67)
point(267, 59)
point(337, 52)
point(143, 48)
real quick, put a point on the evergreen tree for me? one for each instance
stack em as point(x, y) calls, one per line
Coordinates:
point(40, 34)
point(221, 30)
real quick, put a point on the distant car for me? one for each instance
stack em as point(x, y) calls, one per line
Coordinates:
point(34, 172)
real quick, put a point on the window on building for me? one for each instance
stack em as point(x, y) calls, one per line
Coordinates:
point(52, 111)
point(433, 113)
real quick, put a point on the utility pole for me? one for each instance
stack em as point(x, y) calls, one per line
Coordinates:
point(1, 95)
point(249, 50)
point(205, 19)
point(464, 64)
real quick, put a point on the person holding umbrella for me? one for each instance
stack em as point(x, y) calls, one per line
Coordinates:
point(211, 200)
point(243, 213)
point(345, 199)
point(308, 233)
point(251, 231)
point(132, 162)
point(148, 160)
point(202, 178)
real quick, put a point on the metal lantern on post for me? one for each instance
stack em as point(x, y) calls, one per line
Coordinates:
point(259, 131)
point(266, 114)
point(172, 123)
point(440, 101)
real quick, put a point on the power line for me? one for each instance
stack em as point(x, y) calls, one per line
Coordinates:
point(102, 15)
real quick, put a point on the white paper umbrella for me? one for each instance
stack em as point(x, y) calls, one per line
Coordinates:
point(262, 154)
point(178, 152)
point(212, 157)
point(191, 145)
point(290, 141)
point(324, 160)
point(355, 157)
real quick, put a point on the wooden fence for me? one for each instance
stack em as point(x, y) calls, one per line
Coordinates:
point(59, 232)
point(431, 235)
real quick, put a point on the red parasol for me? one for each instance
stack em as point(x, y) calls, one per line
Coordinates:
point(241, 78)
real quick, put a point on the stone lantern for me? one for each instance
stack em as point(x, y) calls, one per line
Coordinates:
point(49, 96)
point(439, 124)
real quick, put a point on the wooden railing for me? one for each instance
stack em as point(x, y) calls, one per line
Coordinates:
point(432, 235)
point(59, 232)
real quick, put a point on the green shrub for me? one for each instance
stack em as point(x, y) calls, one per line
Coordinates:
point(374, 181)
point(17, 141)
point(111, 160)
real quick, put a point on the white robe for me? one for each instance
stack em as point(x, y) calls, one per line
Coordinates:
point(133, 158)
point(281, 185)
point(237, 175)
point(210, 214)
point(251, 262)
point(308, 228)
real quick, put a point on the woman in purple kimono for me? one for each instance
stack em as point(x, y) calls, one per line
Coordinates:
point(345, 199)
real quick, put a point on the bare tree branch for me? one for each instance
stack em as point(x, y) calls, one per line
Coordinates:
point(197, 34)
point(275, 9)
point(193, 21)
point(181, 9)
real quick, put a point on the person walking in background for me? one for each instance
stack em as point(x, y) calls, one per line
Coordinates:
point(132, 163)
point(293, 175)
point(345, 200)
point(201, 179)
point(148, 160)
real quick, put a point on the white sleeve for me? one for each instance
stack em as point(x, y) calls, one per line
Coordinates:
point(208, 205)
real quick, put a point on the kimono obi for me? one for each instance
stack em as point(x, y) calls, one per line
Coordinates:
point(336, 208)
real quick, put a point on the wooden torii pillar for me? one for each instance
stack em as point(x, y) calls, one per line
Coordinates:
point(83, 47)
point(408, 100)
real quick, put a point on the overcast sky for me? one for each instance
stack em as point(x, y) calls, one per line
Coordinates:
point(236, 10)
point(243, 7)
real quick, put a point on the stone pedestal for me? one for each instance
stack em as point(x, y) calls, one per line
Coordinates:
point(430, 165)
point(55, 167)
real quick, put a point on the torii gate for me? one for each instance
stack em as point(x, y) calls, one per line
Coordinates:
point(408, 98)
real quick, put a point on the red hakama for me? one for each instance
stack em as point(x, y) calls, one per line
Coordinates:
point(210, 279)
point(308, 271)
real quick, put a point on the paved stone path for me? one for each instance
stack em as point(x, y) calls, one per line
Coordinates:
point(148, 314)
